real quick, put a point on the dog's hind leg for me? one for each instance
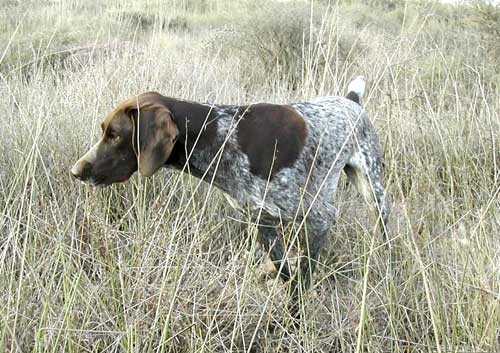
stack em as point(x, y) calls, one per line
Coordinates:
point(366, 172)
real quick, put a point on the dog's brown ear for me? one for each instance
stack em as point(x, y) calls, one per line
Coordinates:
point(155, 135)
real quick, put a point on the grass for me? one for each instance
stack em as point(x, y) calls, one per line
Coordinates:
point(164, 265)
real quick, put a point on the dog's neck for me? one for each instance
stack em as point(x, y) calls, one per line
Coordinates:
point(197, 125)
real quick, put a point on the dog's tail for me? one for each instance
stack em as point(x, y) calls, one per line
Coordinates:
point(356, 89)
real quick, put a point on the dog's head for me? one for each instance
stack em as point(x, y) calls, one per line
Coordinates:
point(138, 135)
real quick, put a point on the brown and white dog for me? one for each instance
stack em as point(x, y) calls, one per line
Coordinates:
point(281, 162)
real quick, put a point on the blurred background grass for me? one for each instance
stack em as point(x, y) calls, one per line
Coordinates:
point(164, 265)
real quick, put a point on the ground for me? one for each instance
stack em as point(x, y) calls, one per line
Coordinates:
point(165, 264)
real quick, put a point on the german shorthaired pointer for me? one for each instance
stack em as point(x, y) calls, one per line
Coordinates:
point(281, 162)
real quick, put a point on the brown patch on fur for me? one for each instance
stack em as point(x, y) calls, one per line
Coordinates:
point(272, 136)
point(353, 96)
point(197, 123)
point(140, 129)
point(157, 131)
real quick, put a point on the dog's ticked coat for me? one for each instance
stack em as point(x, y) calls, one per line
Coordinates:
point(281, 162)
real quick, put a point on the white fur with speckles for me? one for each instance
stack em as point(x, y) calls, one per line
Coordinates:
point(339, 135)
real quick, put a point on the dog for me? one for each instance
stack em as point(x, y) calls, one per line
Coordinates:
point(282, 162)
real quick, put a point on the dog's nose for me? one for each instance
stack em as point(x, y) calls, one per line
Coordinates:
point(81, 170)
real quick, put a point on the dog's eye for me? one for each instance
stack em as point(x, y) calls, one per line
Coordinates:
point(113, 136)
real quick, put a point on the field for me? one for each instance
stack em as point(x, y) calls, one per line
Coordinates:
point(164, 264)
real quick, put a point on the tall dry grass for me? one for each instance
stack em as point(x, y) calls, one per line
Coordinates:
point(164, 265)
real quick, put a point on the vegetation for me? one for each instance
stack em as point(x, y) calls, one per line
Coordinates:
point(164, 265)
